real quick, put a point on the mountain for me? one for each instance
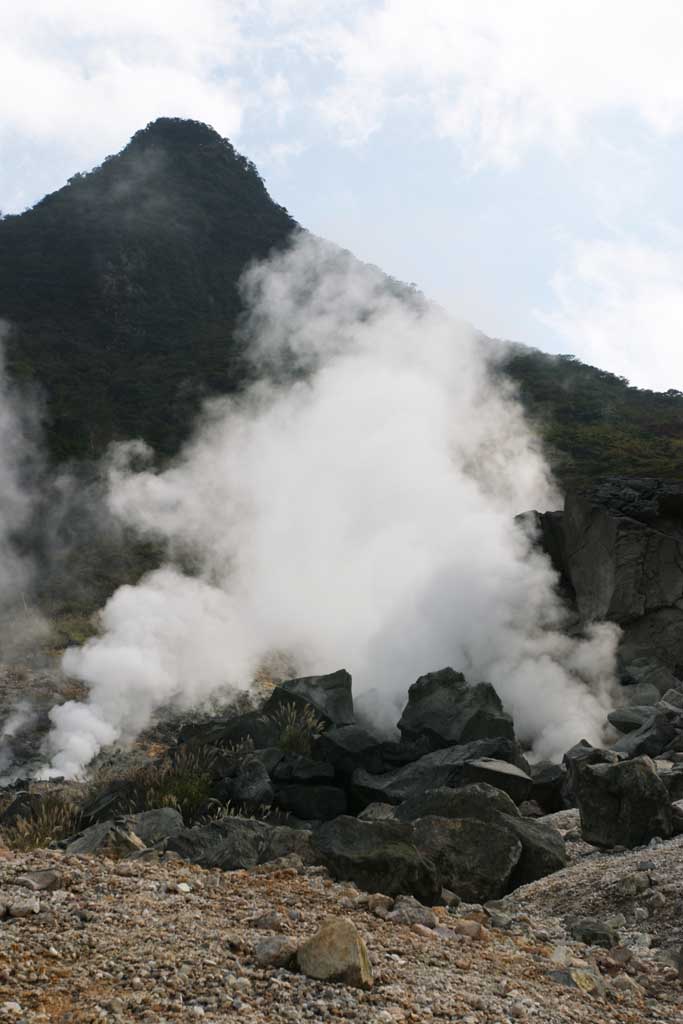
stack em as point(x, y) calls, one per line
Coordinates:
point(121, 287)
point(121, 292)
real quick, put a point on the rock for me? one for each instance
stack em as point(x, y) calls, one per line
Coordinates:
point(643, 695)
point(379, 856)
point(251, 787)
point(253, 725)
point(673, 780)
point(649, 671)
point(41, 881)
point(275, 951)
point(238, 843)
point(408, 911)
point(677, 817)
point(478, 800)
point(229, 843)
point(380, 905)
point(623, 804)
point(329, 696)
point(499, 774)
point(433, 770)
point(297, 768)
point(530, 809)
point(336, 952)
point(587, 979)
point(543, 849)
point(449, 711)
point(378, 812)
point(153, 826)
point(349, 747)
point(312, 803)
point(593, 932)
point(474, 859)
point(564, 821)
point(24, 908)
point(651, 739)
point(628, 719)
point(107, 838)
point(547, 785)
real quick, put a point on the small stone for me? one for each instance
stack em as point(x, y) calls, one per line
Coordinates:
point(275, 951)
point(183, 887)
point(593, 932)
point(40, 881)
point(640, 914)
point(583, 978)
point(270, 921)
point(24, 908)
point(408, 911)
point(379, 904)
point(336, 952)
point(473, 929)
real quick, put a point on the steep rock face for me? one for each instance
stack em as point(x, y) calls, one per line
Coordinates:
point(618, 547)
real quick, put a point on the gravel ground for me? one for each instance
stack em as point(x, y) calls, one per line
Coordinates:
point(119, 941)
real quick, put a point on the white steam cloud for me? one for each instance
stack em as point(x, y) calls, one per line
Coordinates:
point(360, 515)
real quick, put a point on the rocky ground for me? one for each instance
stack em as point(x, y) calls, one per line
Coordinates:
point(164, 940)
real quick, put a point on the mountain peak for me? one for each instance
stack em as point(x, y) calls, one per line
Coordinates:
point(177, 131)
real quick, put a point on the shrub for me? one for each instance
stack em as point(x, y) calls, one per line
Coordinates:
point(56, 818)
point(298, 728)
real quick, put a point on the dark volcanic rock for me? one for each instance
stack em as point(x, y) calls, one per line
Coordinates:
point(448, 710)
point(222, 732)
point(543, 849)
point(153, 826)
point(500, 774)
point(251, 787)
point(474, 859)
point(297, 768)
point(547, 785)
point(623, 804)
point(379, 856)
point(652, 738)
point(329, 696)
point(312, 803)
point(348, 747)
point(629, 719)
point(234, 843)
point(440, 768)
point(478, 800)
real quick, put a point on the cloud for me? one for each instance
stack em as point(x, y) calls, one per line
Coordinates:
point(620, 305)
point(361, 516)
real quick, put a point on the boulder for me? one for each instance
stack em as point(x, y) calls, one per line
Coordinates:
point(329, 696)
point(336, 952)
point(379, 856)
point(623, 804)
point(253, 725)
point(447, 710)
point(439, 768)
point(629, 719)
point(474, 859)
point(543, 849)
point(652, 738)
point(251, 787)
point(677, 817)
point(107, 838)
point(547, 785)
point(297, 768)
point(312, 803)
point(24, 805)
point(228, 843)
point(478, 800)
point(643, 695)
point(378, 812)
point(153, 826)
point(500, 774)
point(648, 671)
point(348, 747)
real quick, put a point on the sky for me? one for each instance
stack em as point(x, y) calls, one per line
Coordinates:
point(520, 162)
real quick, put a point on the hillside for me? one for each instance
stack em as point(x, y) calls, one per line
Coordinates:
point(121, 289)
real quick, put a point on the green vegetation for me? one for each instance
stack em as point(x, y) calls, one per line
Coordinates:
point(55, 818)
point(594, 423)
point(298, 728)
